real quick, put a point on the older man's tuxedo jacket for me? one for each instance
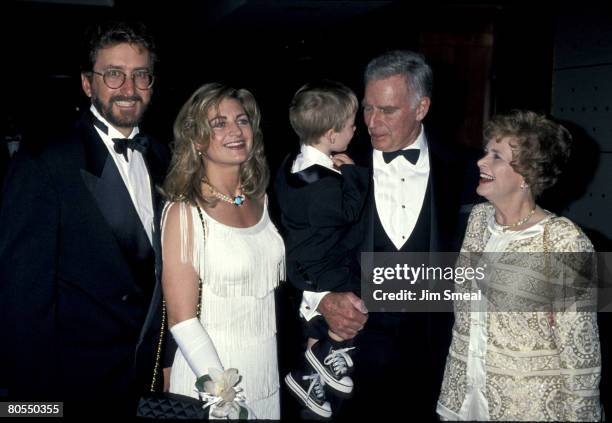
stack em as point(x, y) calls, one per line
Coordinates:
point(406, 352)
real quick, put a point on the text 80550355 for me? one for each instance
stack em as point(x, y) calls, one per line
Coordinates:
point(31, 409)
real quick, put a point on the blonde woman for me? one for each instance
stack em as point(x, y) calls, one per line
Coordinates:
point(222, 255)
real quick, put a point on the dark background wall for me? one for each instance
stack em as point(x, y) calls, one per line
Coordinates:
point(272, 47)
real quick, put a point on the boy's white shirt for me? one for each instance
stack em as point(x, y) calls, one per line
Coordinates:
point(310, 156)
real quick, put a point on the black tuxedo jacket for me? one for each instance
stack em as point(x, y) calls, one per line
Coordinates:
point(318, 209)
point(79, 294)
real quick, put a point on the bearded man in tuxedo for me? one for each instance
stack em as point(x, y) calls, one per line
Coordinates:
point(79, 243)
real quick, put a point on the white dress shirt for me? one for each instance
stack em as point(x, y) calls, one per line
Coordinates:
point(399, 190)
point(134, 173)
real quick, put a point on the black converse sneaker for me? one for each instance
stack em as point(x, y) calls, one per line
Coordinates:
point(333, 365)
point(309, 390)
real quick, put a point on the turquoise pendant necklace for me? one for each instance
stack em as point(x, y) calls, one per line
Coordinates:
point(237, 200)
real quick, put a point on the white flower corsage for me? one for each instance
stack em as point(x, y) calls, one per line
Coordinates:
point(218, 390)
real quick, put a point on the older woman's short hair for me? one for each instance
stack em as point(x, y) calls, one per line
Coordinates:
point(318, 107)
point(192, 127)
point(540, 147)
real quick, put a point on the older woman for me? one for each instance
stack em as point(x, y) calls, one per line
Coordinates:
point(222, 255)
point(510, 361)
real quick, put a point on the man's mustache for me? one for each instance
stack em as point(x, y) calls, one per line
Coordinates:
point(125, 98)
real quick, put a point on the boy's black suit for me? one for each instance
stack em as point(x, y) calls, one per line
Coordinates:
point(319, 207)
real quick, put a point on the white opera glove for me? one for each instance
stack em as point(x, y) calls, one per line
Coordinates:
point(196, 346)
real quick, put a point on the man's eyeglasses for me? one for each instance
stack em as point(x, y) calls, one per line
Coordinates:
point(115, 78)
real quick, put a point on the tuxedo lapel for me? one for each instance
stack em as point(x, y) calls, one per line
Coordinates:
point(104, 182)
point(446, 179)
point(370, 208)
point(306, 176)
point(156, 175)
point(96, 153)
point(436, 197)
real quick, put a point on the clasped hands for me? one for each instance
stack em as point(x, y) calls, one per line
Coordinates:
point(345, 313)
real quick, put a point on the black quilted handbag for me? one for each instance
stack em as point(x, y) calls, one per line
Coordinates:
point(164, 405)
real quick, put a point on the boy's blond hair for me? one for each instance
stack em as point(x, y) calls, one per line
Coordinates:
point(316, 108)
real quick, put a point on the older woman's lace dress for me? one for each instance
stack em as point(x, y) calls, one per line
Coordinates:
point(516, 364)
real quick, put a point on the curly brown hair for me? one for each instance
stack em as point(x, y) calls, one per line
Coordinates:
point(109, 34)
point(191, 126)
point(540, 147)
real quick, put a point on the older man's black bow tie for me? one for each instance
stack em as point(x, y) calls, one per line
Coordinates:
point(139, 143)
point(412, 155)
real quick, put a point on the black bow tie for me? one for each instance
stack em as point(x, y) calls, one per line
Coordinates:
point(412, 155)
point(139, 143)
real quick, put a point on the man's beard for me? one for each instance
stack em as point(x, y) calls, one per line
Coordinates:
point(116, 120)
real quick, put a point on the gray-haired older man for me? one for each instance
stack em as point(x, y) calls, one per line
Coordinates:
point(419, 201)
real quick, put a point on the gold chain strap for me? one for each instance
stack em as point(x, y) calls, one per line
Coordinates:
point(162, 330)
point(159, 347)
point(199, 306)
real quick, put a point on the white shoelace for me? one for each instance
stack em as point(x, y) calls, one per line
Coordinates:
point(316, 385)
point(339, 360)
